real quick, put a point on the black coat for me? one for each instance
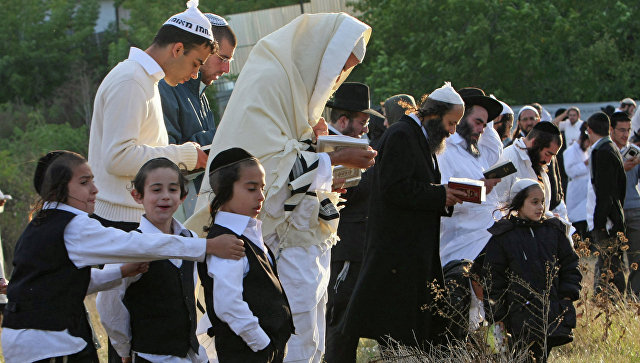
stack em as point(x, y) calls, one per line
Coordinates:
point(403, 237)
point(518, 267)
point(610, 186)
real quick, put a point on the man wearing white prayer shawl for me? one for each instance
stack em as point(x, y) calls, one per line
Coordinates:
point(274, 114)
point(474, 148)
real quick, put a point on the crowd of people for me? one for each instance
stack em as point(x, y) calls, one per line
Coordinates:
point(293, 266)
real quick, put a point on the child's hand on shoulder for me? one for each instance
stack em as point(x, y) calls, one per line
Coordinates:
point(132, 269)
point(226, 246)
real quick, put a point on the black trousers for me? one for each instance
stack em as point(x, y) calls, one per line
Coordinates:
point(87, 355)
point(340, 347)
point(127, 227)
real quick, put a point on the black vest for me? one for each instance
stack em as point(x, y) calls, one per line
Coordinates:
point(162, 309)
point(261, 290)
point(47, 290)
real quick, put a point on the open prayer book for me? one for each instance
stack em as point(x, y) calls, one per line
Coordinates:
point(475, 189)
point(330, 143)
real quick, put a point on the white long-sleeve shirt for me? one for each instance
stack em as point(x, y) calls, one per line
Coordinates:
point(464, 234)
point(227, 277)
point(115, 317)
point(579, 180)
point(88, 243)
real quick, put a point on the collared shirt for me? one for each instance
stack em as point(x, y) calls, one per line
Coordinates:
point(330, 126)
point(88, 243)
point(227, 277)
point(416, 119)
point(147, 62)
point(115, 316)
point(464, 234)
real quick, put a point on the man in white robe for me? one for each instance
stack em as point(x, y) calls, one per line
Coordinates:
point(274, 114)
point(474, 148)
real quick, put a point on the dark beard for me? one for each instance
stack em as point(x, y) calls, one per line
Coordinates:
point(436, 134)
point(502, 130)
point(534, 156)
point(466, 133)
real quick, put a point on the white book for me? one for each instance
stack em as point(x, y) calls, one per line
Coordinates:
point(328, 143)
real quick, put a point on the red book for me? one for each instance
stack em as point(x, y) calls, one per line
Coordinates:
point(475, 189)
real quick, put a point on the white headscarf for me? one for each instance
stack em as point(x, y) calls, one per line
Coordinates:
point(279, 95)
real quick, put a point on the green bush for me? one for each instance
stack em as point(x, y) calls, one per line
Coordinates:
point(18, 156)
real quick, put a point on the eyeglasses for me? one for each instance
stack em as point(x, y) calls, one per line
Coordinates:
point(223, 59)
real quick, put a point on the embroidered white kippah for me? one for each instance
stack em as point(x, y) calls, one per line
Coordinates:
point(531, 108)
point(505, 108)
point(192, 20)
point(522, 184)
point(359, 49)
point(446, 94)
point(216, 20)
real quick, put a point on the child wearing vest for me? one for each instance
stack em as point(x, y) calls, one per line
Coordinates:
point(45, 319)
point(530, 267)
point(152, 317)
point(247, 307)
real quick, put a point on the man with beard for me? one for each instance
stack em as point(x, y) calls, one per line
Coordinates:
point(350, 111)
point(528, 117)
point(531, 155)
point(503, 123)
point(473, 149)
point(402, 258)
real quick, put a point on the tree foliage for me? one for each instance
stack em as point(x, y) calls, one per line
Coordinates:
point(40, 43)
point(521, 50)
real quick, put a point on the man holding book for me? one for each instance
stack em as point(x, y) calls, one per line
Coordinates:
point(472, 150)
point(403, 228)
point(350, 110)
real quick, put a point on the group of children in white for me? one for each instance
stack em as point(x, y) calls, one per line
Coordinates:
point(247, 307)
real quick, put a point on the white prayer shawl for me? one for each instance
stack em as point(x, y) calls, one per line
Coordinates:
point(279, 95)
point(464, 234)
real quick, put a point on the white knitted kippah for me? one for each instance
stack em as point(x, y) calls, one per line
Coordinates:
point(446, 94)
point(192, 20)
point(216, 20)
point(520, 185)
point(531, 108)
point(359, 49)
point(505, 108)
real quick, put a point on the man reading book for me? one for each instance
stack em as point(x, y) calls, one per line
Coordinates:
point(474, 148)
point(407, 200)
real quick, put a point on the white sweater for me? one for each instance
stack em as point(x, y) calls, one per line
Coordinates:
point(127, 130)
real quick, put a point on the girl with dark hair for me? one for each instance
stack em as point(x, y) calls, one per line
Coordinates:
point(152, 317)
point(45, 317)
point(247, 307)
point(530, 274)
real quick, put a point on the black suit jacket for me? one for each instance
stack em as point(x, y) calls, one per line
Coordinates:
point(609, 184)
point(402, 252)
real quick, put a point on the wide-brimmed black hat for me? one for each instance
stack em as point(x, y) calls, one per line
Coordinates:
point(476, 97)
point(353, 96)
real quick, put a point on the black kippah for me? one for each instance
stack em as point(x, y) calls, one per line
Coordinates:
point(41, 168)
point(229, 157)
point(620, 116)
point(548, 127)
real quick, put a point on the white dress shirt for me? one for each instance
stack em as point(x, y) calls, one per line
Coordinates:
point(88, 243)
point(464, 234)
point(116, 319)
point(579, 180)
point(227, 277)
point(571, 132)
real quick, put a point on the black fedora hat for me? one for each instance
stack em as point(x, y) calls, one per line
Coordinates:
point(353, 96)
point(476, 97)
